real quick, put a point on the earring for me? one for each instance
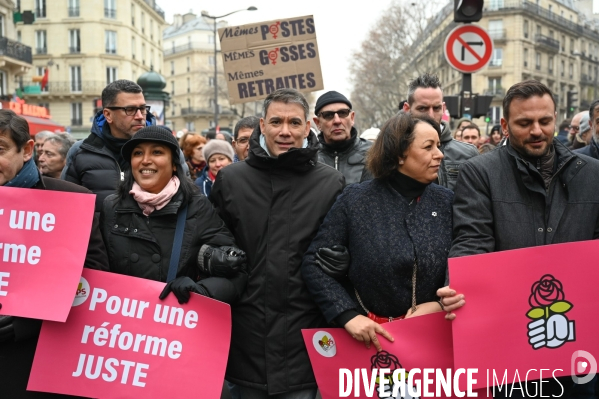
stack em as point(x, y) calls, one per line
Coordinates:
point(401, 161)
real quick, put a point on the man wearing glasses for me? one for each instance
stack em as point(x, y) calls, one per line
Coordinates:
point(340, 146)
point(96, 162)
point(241, 136)
point(574, 129)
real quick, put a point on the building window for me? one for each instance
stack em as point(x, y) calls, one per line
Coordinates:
point(571, 71)
point(526, 28)
point(496, 29)
point(152, 58)
point(211, 39)
point(539, 31)
point(172, 67)
point(133, 47)
point(75, 77)
point(19, 36)
point(571, 45)
point(109, 8)
point(563, 43)
point(188, 85)
point(538, 61)
point(211, 60)
point(172, 87)
point(143, 53)
point(132, 14)
point(188, 64)
point(190, 126)
point(40, 8)
point(143, 22)
point(110, 39)
point(211, 81)
point(494, 85)
point(74, 41)
point(151, 29)
point(525, 58)
point(497, 58)
point(3, 91)
point(111, 75)
point(40, 70)
point(40, 42)
point(73, 8)
point(563, 68)
point(2, 26)
point(76, 112)
point(550, 65)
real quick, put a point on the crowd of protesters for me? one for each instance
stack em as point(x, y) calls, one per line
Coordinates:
point(302, 225)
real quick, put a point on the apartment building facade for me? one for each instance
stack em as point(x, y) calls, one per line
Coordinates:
point(86, 45)
point(553, 41)
point(15, 57)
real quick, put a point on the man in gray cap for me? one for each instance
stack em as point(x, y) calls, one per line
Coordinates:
point(340, 145)
point(583, 137)
point(589, 124)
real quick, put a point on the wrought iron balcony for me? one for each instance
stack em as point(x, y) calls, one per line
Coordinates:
point(547, 42)
point(41, 50)
point(498, 34)
point(84, 87)
point(495, 91)
point(74, 50)
point(152, 3)
point(76, 122)
point(16, 50)
point(496, 62)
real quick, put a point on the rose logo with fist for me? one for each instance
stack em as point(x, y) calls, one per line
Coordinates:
point(550, 327)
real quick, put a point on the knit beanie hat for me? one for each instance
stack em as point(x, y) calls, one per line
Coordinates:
point(158, 134)
point(216, 146)
point(584, 123)
point(330, 97)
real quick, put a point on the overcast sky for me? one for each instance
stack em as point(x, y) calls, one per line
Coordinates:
point(340, 26)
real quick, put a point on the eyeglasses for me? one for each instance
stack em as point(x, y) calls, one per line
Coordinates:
point(574, 127)
point(130, 111)
point(328, 115)
point(243, 140)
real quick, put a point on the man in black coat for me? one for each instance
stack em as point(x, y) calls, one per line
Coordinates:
point(273, 203)
point(96, 162)
point(532, 191)
point(592, 150)
point(340, 145)
point(18, 336)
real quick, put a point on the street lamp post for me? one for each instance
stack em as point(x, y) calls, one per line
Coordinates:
point(205, 15)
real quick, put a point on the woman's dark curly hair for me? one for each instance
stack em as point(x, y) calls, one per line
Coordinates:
point(396, 136)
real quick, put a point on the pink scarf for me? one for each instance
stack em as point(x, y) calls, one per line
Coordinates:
point(149, 202)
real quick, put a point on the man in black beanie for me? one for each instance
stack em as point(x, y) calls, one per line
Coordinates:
point(340, 145)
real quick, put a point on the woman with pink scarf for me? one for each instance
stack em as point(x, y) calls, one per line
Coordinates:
point(139, 222)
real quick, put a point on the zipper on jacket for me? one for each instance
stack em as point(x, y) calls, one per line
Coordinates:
point(120, 171)
point(336, 161)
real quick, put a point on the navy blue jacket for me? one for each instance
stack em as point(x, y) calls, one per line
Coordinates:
point(204, 182)
point(383, 235)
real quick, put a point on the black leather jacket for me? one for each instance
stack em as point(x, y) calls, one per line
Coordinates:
point(349, 162)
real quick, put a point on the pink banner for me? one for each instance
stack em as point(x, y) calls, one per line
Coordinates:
point(43, 241)
point(421, 357)
point(121, 341)
point(529, 314)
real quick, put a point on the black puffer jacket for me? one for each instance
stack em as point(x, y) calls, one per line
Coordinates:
point(16, 357)
point(141, 246)
point(93, 165)
point(273, 207)
point(350, 162)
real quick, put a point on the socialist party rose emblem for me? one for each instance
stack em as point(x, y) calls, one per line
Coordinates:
point(550, 327)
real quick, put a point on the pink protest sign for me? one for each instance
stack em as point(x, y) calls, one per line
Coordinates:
point(121, 341)
point(527, 310)
point(345, 368)
point(43, 241)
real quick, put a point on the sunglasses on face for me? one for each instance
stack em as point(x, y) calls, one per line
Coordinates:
point(328, 115)
point(130, 111)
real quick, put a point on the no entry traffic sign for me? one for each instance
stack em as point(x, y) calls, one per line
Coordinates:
point(468, 48)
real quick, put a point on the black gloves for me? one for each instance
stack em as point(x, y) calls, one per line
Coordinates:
point(7, 331)
point(333, 261)
point(221, 262)
point(181, 287)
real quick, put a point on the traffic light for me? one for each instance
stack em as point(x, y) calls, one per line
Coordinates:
point(467, 10)
point(572, 103)
point(489, 116)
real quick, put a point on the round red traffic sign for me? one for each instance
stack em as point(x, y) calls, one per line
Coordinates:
point(468, 48)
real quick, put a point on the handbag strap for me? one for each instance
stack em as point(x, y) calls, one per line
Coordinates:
point(177, 243)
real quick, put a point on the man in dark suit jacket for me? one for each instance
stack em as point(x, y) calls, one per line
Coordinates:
point(18, 336)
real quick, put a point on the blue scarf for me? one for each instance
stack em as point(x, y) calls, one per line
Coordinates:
point(27, 177)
